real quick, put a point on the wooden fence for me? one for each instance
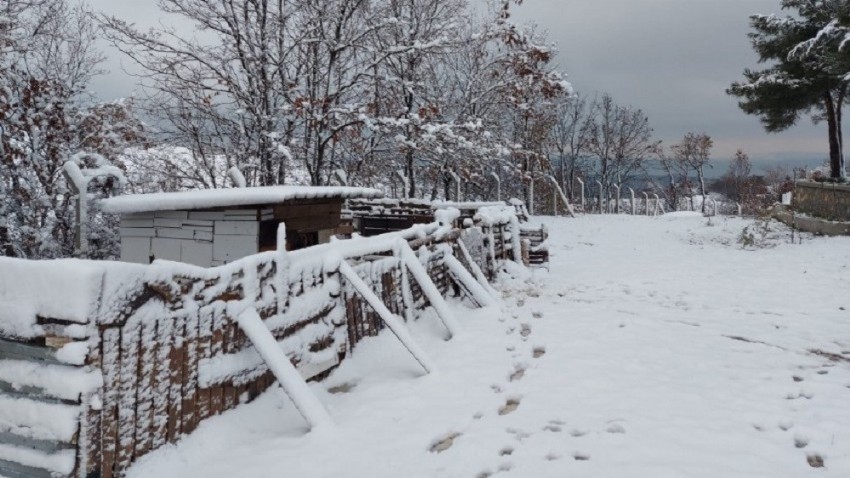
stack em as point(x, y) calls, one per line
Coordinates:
point(164, 346)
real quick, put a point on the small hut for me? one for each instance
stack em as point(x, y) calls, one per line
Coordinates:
point(213, 227)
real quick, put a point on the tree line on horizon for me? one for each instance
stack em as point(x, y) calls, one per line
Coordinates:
point(404, 95)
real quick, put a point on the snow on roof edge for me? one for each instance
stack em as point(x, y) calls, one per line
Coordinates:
point(214, 198)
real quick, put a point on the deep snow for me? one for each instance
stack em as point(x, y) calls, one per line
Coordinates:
point(655, 347)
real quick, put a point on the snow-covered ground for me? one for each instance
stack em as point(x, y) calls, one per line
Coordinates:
point(655, 347)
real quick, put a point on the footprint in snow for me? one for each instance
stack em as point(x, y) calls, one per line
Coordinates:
point(552, 428)
point(444, 443)
point(517, 374)
point(785, 426)
point(615, 428)
point(342, 388)
point(506, 451)
point(510, 406)
point(526, 330)
point(815, 460)
point(538, 352)
point(552, 456)
point(580, 456)
point(575, 432)
point(800, 440)
point(518, 434)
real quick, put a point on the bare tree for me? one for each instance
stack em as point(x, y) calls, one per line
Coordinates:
point(620, 140)
point(569, 141)
point(695, 151)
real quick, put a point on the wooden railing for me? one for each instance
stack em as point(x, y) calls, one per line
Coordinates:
point(164, 344)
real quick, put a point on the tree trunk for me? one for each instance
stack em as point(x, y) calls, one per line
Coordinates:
point(836, 154)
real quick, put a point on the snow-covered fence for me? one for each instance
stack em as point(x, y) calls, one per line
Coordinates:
point(103, 362)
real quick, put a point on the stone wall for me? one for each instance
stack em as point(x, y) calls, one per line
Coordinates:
point(824, 200)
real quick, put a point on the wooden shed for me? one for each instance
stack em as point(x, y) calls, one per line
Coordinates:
point(213, 227)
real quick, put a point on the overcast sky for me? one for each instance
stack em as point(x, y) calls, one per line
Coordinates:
point(672, 58)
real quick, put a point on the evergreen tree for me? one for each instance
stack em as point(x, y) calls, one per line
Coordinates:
point(801, 80)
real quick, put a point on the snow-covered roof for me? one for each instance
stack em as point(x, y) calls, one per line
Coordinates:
point(214, 198)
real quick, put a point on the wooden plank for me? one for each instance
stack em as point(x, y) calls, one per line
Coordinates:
point(10, 469)
point(128, 382)
point(167, 223)
point(12, 350)
point(205, 324)
point(174, 233)
point(288, 212)
point(190, 375)
point(46, 446)
point(175, 392)
point(313, 223)
point(229, 392)
point(171, 214)
point(144, 223)
point(237, 228)
point(136, 231)
point(216, 349)
point(229, 248)
point(92, 420)
point(111, 352)
point(206, 215)
point(162, 382)
point(146, 388)
point(36, 394)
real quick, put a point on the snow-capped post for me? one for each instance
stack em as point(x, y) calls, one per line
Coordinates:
point(715, 206)
point(601, 195)
point(530, 202)
point(420, 275)
point(405, 184)
point(476, 270)
point(79, 186)
point(740, 209)
point(341, 177)
point(393, 322)
point(617, 187)
point(237, 178)
point(582, 193)
point(657, 205)
point(646, 202)
point(498, 185)
point(634, 207)
point(563, 197)
point(456, 179)
point(287, 375)
point(281, 272)
point(478, 293)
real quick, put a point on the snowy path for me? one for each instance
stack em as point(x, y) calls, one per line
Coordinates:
point(654, 348)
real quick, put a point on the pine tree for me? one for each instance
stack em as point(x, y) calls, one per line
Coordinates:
point(802, 80)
